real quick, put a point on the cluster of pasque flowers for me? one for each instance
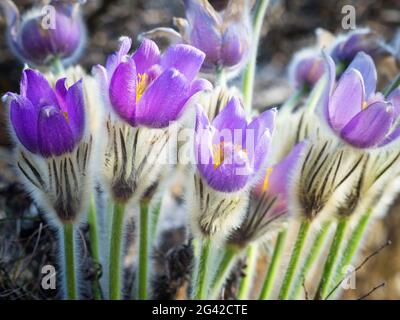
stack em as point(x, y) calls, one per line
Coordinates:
point(322, 157)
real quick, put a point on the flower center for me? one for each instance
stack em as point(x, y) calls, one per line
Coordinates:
point(364, 105)
point(141, 85)
point(266, 179)
point(219, 152)
point(65, 113)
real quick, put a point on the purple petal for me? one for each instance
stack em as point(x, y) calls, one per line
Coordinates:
point(146, 56)
point(231, 117)
point(61, 93)
point(369, 127)
point(163, 100)
point(364, 63)
point(281, 172)
point(205, 25)
point(259, 153)
point(121, 55)
point(200, 85)
point(123, 90)
point(184, 58)
point(347, 99)
point(24, 119)
point(54, 134)
point(234, 45)
point(265, 121)
point(76, 110)
point(37, 89)
point(331, 76)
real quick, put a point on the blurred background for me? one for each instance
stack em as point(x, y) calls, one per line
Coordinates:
point(25, 241)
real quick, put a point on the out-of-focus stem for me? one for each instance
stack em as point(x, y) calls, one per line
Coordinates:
point(249, 73)
point(273, 266)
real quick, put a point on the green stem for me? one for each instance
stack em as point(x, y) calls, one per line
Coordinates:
point(294, 259)
point(220, 77)
point(251, 265)
point(201, 282)
point(310, 259)
point(273, 266)
point(249, 73)
point(71, 291)
point(294, 98)
point(143, 250)
point(115, 271)
point(57, 67)
point(154, 219)
point(94, 245)
point(332, 258)
point(352, 246)
point(223, 270)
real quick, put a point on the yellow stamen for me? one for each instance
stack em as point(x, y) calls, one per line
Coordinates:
point(364, 105)
point(66, 115)
point(218, 154)
point(141, 85)
point(266, 179)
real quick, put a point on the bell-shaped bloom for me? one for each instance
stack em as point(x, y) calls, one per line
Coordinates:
point(150, 89)
point(230, 152)
point(269, 205)
point(53, 144)
point(45, 33)
point(47, 122)
point(353, 109)
point(221, 31)
point(347, 46)
point(306, 68)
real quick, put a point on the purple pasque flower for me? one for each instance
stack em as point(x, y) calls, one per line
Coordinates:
point(223, 35)
point(148, 88)
point(354, 111)
point(46, 121)
point(347, 46)
point(46, 33)
point(229, 151)
point(306, 68)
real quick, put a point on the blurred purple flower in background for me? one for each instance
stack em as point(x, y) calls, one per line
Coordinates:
point(348, 45)
point(353, 109)
point(46, 33)
point(306, 68)
point(230, 152)
point(47, 122)
point(150, 89)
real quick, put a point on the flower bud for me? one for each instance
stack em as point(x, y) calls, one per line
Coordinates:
point(45, 33)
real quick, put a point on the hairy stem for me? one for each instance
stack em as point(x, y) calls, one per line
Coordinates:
point(223, 270)
point(201, 280)
point(115, 269)
point(294, 259)
point(143, 269)
point(273, 266)
point(310, 259)
point(246, 281)
point(69, 262)
point(332, 258)
point(351, 248)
